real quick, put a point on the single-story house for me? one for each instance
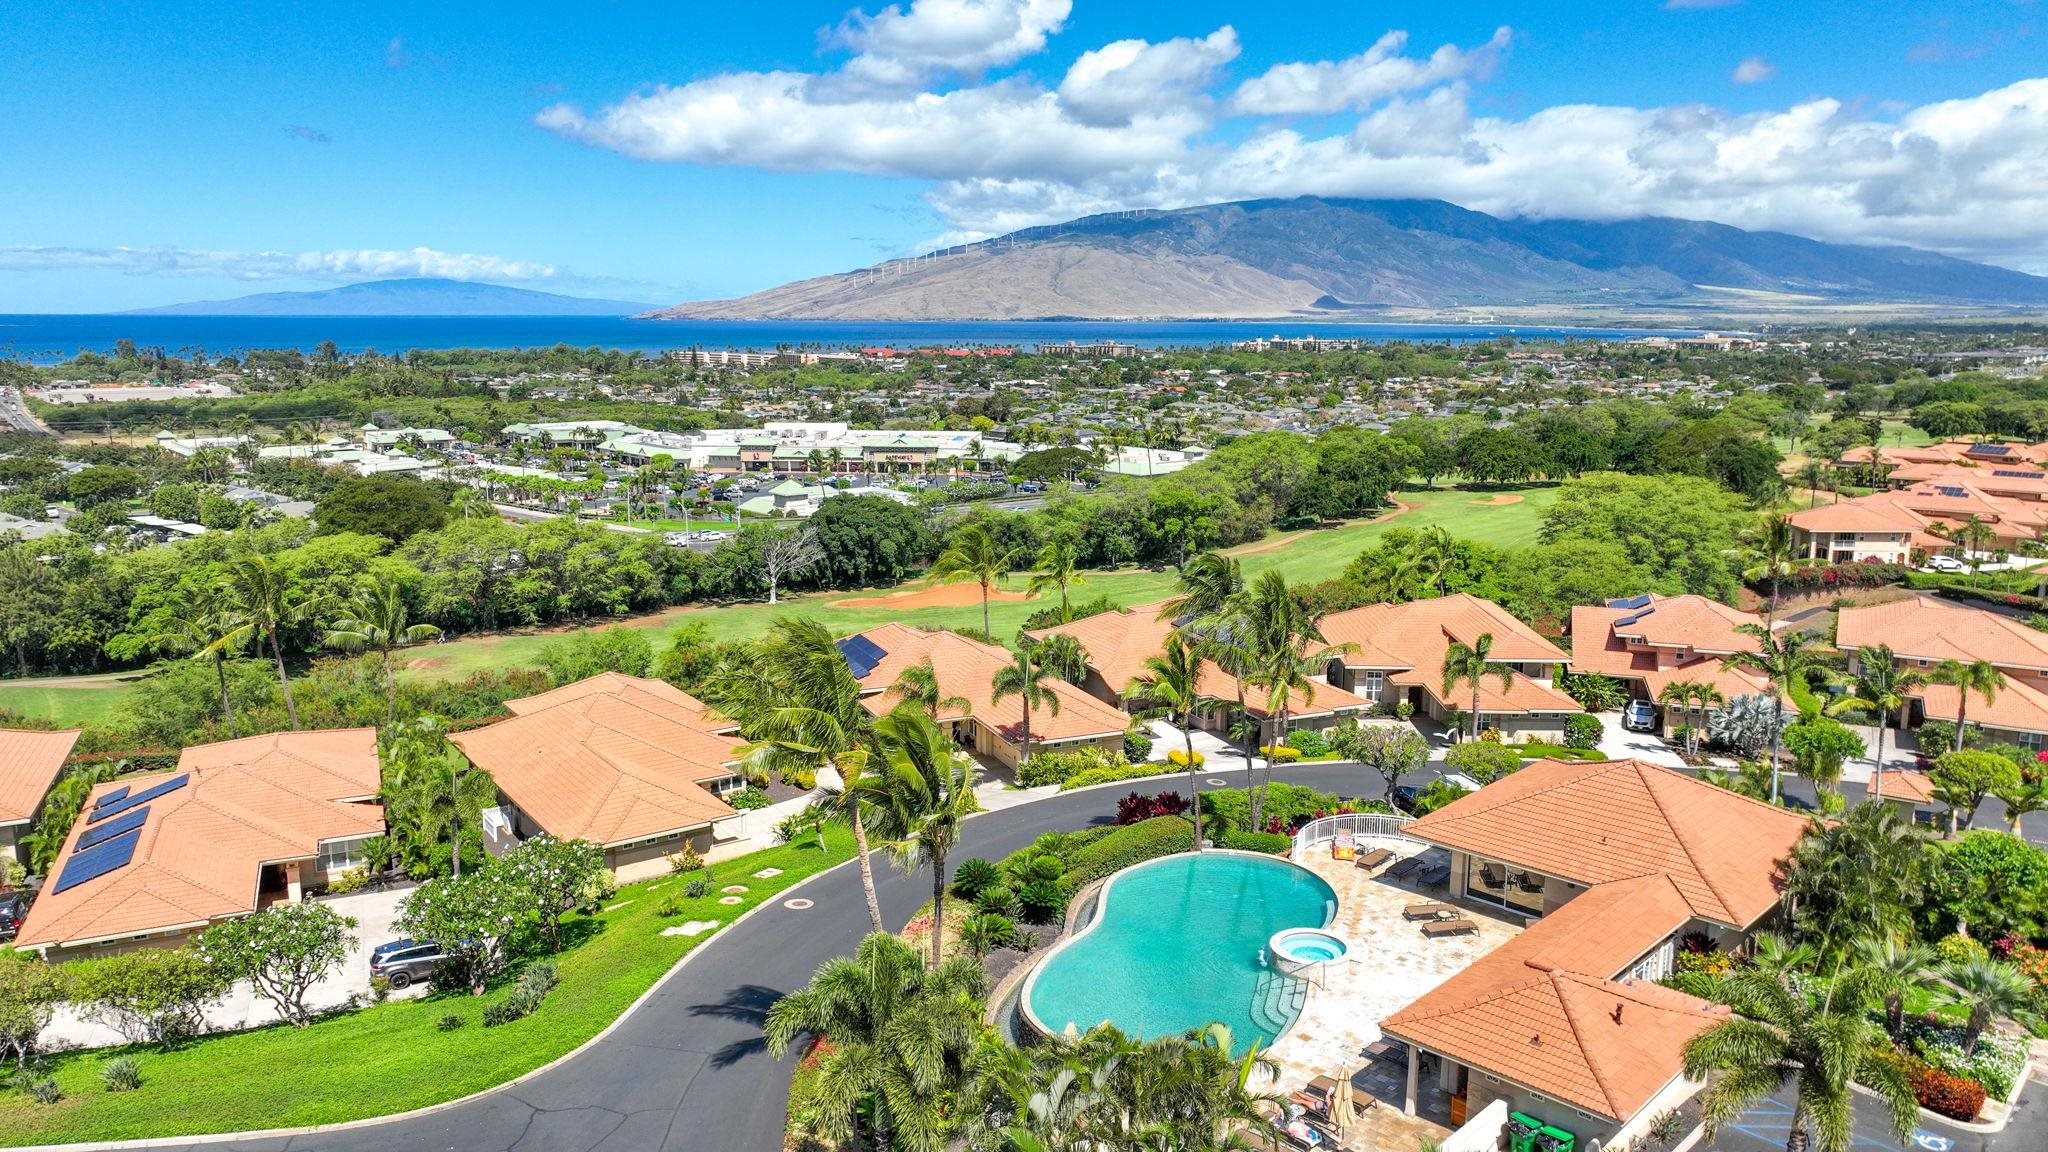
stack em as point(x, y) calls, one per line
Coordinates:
point(235, 827)
point(30, 763)
point(1396, 653)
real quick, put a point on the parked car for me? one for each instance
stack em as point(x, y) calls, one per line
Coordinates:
point(406, 962)
point(1946, 564)
point(13, 910)
point(1639, 716)
point(678, 539)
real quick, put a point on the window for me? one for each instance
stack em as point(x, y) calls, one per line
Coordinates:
point(1372, 683)
point(728, 785)
point(1498, 883)
point(341, 855)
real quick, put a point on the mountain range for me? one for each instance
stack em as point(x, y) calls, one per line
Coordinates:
point(1349, 259)
point(411, 297)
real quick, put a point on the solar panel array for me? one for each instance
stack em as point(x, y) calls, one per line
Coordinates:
point(1625, 621)
point(102, 811)
point(117, 794)
point(1991, 449)
point(862, 655)
point(98, 860)
point(2017, 473)
point(126, 822)
point(1631, 602)
point(1952, 492)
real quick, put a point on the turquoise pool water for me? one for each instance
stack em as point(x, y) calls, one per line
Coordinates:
point(1176, 944)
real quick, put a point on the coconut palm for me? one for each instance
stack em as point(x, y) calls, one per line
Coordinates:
point(900, 1034)
point(263, 606)
point(1990, 990)
point(1058, 568)
point(1782, 660)
point(1811, 1031)
point(1282, 650)
point(1694, 699)
point(200, 624)
point(1025, 678)
point(1979, 676)
point(1771, 553)
point(1472, 664)
point(2020, 801)
point(798, 703)
point(376, 619)
point(1207, 584)
point(923, 788)
point(1881, 687)
point(1434, 555)
point(918, 685)
point(975, 555)
point(1171, 686)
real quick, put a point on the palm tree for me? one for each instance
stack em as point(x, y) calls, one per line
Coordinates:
point(1771, 554)
point(975, 555)
point(1880, 686)
point(1058, 567)
point(1470, 664)
point(1781, 660)
point(1434, 555)
point(376, 619)
point(1172, 684)
point(1989, 990)
point(1025, 678)
point(1975, 536)
point(1284, 648)
point(1856, 877)
point(923, 789)
point(1812, 1031)
point(430, 789)
point(1208, 583)
point(201, 621)
point(901, 1036)
point(1896, 970)
point(1979, 676)
point(799, 704)
point(918, 685)
point(263, 607)
point(1062, 656)
point(1813, 475)
point(2022, 801)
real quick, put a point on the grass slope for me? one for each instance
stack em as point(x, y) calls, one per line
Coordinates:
point(1317, 554)
point(391, 1057)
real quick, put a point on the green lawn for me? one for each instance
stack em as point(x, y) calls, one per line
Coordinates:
point(1317, 554)
point(391, 1057)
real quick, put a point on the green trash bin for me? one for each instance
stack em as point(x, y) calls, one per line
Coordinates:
point(1550, 1139)
point(1522, 1131)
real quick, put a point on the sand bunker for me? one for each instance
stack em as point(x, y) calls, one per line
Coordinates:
point(1499, 498)
point(962, 595)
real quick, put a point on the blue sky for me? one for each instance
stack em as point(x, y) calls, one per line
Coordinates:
point(663, 151)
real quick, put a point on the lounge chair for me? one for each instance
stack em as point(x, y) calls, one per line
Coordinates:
point(1435, 877)
point(1457, 927)
point(1428, 911)
point(1404, 867)
point(1374, 859)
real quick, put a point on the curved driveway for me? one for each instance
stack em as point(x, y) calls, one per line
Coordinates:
point(687, 1071)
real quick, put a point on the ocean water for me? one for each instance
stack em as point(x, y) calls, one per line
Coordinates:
point(1180, 943)
point(46, 339)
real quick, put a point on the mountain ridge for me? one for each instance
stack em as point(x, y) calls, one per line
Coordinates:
point(422, 296)
point(1328, 257)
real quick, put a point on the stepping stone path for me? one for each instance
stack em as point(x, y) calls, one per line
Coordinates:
point(767, 873)
point(616, 907)
point(690, 928)
point(733, 888)
point(728, 900)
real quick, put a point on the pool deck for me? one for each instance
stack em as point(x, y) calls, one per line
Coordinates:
point(1390, 963)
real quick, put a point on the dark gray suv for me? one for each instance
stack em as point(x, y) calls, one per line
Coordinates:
point(406, 962)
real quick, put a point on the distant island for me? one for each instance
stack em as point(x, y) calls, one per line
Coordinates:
point(1342, 259)
point(411, 297)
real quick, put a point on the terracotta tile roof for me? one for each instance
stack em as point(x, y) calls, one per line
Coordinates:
point(1598, 647)
point(1923, 628)
point(649, 693)
point(1410, 640)
point(29, 763)
point(2018, 707)
point(1863, 514)
point(200, 857)
point(967, 668)
point(611, 764)
point(1592, 822)
point(1907, 784)
point(1545, 1011)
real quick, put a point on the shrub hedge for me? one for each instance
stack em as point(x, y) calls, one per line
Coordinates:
point(1131, 844)
point(1270, 843)
point(1111, 773)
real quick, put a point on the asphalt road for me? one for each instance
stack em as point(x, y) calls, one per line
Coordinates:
point(14, 412)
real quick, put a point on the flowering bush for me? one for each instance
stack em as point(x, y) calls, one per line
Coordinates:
point(1859, 574)
point(1951, 1096)
point(1959, 949)
point(1138, 806)
point(1994, 1064)
point(1709, 963)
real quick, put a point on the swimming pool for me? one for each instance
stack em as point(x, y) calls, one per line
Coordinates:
point(1178, 943)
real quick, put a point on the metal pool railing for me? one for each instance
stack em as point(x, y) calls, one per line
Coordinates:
point(1318, 832)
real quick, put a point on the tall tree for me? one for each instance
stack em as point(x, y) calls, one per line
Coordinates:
point(924, 788)
point(376, 619)
point(1988, 990)
point(901, 1038)
point(918, 685)
point(430, 790)
point(1471, 664)
point(265, 607)
point(1771, 553)
point(1858, 877)
point(1783, 660)
point(1171, 686)
point(1881, 687)
point(1810, 1030)
point(1285, 647)
point(1979, 676)
point(202, 618)
point(1025, 678)
point(975, 555)
point(1059, 569)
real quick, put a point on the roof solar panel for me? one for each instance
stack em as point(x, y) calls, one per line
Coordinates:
point(142, 797)
point(1631, 602)
point(97, 861)
point(128, 821)
point(1991, 449)
point(2015, 472)
point(1625, 621)
point(109, 798)
point(862, 655)
point(1947, 490)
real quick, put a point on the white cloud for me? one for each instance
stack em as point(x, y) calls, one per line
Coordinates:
point(1138, 123)
point(898, 46)
point(1120, 81)
point(1363, 80)
point(1753, 70)
point(338, 265)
